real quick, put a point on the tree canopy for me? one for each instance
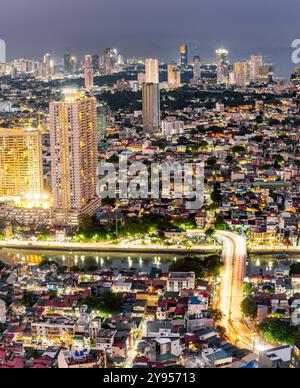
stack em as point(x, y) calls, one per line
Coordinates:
point(279, 331)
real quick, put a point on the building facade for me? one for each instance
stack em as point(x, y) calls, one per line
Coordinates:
point(21, 162)
point(151, 107)
point(74, 158)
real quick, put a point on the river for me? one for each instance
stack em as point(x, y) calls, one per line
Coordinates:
point(143, 262)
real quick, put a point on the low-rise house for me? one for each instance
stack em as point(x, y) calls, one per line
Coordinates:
point(278, 358)
point(68, 359)
point(105, 340)
point(178, 281)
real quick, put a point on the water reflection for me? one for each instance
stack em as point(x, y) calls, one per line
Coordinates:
point(256, 264)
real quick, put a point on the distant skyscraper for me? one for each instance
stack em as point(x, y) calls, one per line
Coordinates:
point(47, 64)
point(242, 73)
point(88, 72)
point(197, 67)
point(20, 162)
point(256, 62)
point(266, 73)
point(67, 63)
point(184, 55)
point(96, 62)
point(74, 64)
point(152, 71)
point(151, 107)
point(174, 76)
point(110, 60)
point(222, 66)
point(74, 158)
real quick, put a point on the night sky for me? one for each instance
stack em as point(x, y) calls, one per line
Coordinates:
point(152, 27)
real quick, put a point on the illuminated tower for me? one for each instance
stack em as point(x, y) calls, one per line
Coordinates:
point(74, 157)
point(196, 67)
point(152, 71)
point(222, 66)
point(47, 63)
point(151, 107)
point(20, 162)
point(174, 76)
point(184, 55)
point(110, 60)
point(242, 73)
point(88, 72)
point(256, 62)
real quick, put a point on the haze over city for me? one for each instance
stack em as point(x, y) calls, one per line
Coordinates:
point(152, 28)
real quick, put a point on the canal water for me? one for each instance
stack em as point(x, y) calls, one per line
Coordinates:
point(144, 262)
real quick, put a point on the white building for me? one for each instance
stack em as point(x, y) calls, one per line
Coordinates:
point(152, 71)
point(178, 281)
point(2, 311)
point(172, 127)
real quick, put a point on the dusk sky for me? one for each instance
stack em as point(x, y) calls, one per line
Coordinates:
point(152, 27)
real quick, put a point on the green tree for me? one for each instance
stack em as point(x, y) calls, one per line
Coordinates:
point(107, 303)
point(249, 307)
point(220, 224)
point(279, 331)
point(295, 269)
point(29, 299)
point(208, 266)
point(249, 288)
point(238, 149)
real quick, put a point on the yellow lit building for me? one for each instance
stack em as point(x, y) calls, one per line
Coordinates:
point(21, 171)
point(74, 157)
point(242, 73)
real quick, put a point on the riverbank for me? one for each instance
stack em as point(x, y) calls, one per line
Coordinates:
point(95, 248)
point(158, 249)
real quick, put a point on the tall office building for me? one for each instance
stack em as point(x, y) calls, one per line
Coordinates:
point(174, 76)
point(197, 67)
point(20, 162)
point(256, 62)
point(74, 64)
point(67, 63)
point(184, 55)
point(151, 107)
point(222, 66)
point(242, 73)
point(95, 62)
point(88, 72)
point(266, 73)
point(48, 63)
point(110, 60)
point(74, 157)
point(152, 71)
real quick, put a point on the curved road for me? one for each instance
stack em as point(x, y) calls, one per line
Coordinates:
point(231, 291)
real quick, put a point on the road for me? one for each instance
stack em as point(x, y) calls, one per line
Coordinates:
point(234, 256)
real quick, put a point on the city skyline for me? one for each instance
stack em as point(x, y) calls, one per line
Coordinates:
point(94, 34)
